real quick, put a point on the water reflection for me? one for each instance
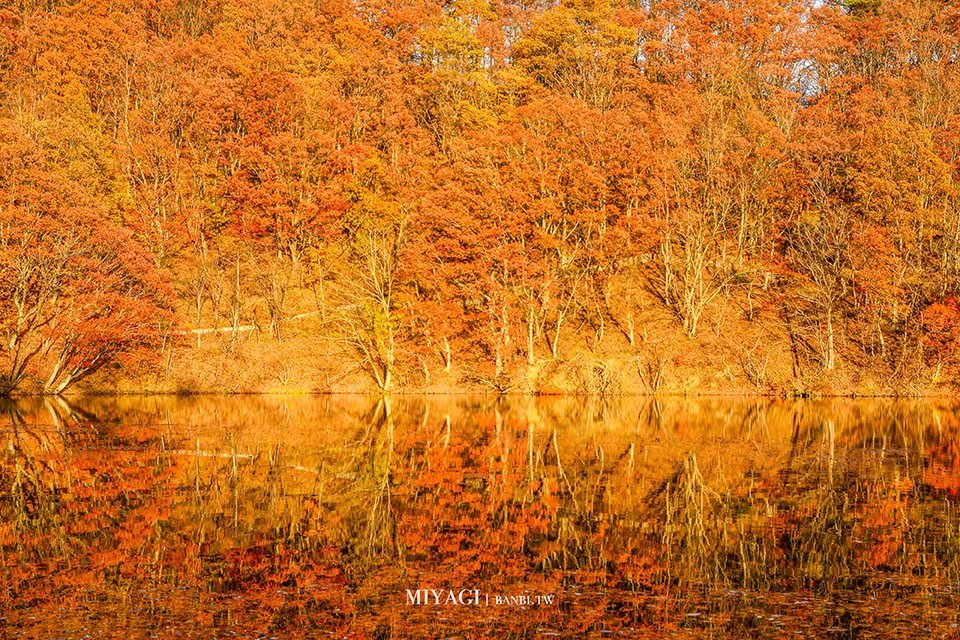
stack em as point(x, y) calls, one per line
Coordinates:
point(313, 517)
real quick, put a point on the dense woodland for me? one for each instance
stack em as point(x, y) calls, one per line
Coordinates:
point(533, 196)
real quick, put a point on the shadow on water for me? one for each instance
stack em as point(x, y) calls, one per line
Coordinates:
point(309, 517)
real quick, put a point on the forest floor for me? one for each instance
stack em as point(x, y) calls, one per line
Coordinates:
point(731, 356)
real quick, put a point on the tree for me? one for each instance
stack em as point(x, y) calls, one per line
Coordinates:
point(78, 293)
point(577, 48)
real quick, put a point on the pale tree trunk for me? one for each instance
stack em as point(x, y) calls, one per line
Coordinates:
point(199, 290)
point(530, 358)
point(561, 315)
point(445, 351)
point(235, 305)
point(829, 355)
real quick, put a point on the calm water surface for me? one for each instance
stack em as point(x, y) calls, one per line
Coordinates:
point(258, 517)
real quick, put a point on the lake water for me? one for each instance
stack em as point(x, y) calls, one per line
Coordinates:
point(453, 517)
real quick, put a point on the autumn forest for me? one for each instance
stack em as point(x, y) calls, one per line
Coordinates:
point(539, 196)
